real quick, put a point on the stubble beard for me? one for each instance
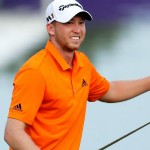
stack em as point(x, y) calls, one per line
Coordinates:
point(69, 46)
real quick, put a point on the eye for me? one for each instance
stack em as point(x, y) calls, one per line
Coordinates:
point(82, 22)
point(69, 22)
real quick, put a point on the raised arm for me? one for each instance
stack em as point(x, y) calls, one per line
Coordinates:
point(124, 90)
point(16, 137)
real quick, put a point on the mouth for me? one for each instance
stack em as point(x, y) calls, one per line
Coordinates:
point(75, 37)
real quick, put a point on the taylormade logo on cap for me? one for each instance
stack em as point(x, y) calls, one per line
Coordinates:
point(64, 10)
point(61, 8)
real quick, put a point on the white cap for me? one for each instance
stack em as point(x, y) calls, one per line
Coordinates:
point(64, 10)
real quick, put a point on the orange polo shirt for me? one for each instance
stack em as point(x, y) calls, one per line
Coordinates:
point(51, 97)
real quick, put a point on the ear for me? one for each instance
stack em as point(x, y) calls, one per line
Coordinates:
point(50, 29)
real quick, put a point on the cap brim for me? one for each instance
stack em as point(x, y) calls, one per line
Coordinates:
point(86, 15)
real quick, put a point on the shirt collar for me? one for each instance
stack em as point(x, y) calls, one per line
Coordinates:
point(77, 60)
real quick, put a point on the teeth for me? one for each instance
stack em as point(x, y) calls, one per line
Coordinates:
point(75, 38)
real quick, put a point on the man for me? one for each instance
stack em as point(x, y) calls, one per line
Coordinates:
point(52, 88)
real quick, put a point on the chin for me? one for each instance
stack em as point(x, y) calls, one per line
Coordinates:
point(75, 47)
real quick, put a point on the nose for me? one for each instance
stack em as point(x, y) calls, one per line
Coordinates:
point(76, 27)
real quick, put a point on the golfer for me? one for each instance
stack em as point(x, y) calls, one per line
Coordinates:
point(51, 89)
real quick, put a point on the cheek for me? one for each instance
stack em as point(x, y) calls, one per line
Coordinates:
point(60, 38)
point(60, 33)
point(83, 34)
point(83, 31)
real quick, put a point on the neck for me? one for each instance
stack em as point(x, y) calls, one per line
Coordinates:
point(66, 54)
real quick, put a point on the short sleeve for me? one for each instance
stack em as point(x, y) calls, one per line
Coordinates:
point(98, 86)
point(27, 96)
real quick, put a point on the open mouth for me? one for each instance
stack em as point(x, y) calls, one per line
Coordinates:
point(75, 37)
